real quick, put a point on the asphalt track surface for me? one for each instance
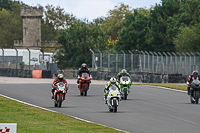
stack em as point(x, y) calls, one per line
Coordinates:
point(147, 110)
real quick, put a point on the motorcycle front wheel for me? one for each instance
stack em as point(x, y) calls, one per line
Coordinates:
point(196, 97)
point(60, 101)
point(191, 97)
point(125, 93)
point(115, 105)
point(85, 89)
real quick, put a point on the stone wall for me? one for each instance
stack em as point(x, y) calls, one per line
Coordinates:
point(135, 77)
point(144, 77)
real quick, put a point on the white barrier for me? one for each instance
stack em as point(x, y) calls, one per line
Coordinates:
point(8, 128)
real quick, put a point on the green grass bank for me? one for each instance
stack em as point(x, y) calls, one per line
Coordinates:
point(35, 120)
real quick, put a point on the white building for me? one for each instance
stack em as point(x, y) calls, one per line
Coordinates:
point(36, 56)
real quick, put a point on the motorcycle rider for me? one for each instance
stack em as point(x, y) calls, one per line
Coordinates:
point(112, 81)
point(122, 73)
point(194, 75)
point(60, 78)
point(81, 70)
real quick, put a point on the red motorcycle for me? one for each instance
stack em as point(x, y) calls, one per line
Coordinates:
point(59, 94)
point(84, 84)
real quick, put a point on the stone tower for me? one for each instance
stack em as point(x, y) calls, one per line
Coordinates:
point(31, 17)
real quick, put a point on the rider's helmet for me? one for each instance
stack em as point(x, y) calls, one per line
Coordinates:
point(124, 72)
point(113, 80)
point(195, 74)
point(83, 67)
point(60, 77)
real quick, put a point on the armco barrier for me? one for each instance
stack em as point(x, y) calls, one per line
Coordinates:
point(46, 74)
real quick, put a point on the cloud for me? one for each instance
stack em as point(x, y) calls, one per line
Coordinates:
point(92, 9)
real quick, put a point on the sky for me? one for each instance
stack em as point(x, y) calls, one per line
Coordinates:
point(91, 9)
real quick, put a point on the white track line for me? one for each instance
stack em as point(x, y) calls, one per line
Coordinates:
point(59, 112)
point(165, 88)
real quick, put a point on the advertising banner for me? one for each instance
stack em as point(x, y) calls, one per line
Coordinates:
point(8, 128)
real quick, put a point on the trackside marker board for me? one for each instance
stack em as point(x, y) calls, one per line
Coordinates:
point(8, 128)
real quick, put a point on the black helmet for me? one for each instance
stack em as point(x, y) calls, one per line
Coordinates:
point(195, 73)
point(83, 66)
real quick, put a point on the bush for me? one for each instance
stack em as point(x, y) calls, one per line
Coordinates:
point(21, 64)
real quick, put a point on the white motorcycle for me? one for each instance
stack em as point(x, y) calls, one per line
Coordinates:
point(113, 98)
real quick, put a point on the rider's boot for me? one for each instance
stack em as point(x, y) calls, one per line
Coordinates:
point(188, 90)
point(52, 93)
point(105, 98)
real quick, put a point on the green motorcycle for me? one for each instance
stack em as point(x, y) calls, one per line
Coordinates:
point(125, 85)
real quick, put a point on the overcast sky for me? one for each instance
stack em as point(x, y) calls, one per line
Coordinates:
point(91, 9)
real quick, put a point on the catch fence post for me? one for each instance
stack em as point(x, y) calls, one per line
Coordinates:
point(148, 60)
point(198, 67)
point(108, 60)
point(156, 62)
point(2, 58)
point(144, 61)
point(190, 62)
point(92, 59)
point(170, 64)
point(180, 61)
point(152, 61)
point(194, 61)
point(16, 60)
point(100, 60)
point(116, 60)
point(162, 62)
point(184, 63)
point(131, 59)
point(29, 59)
point(124, 64)
point(166, 62)
point(176, 63)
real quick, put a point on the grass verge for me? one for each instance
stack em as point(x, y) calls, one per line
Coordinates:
point(177, 86)
point(35, 120)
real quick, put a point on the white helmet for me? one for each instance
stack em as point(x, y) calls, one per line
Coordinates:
point(113, 80)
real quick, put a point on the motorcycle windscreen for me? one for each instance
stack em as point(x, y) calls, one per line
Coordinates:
point(61, 84)
point(196, 82)
point(113, 87)
point(85, 75)
point(124, 78)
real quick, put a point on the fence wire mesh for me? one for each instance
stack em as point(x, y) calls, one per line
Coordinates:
point(151, 62)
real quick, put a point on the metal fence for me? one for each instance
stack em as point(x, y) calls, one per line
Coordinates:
point(143, 61)
point(32, 59)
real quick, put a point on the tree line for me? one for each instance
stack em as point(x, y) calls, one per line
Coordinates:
point(170, 26)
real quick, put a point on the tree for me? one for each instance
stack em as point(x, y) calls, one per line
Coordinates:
point(5, 4)
point(58, 17)
point(112, 23)
point(188, 39)
point(76, 42)
point(160, 33)
point(10, 25)
point(134, 28)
